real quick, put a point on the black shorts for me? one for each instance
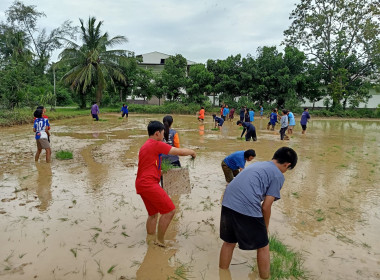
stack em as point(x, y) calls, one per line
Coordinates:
point(249, 232)
point(303, 126)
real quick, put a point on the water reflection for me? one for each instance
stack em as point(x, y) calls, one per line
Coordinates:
point(156, 263)
point(44, 181)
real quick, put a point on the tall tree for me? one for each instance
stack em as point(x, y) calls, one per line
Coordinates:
point(199, 83)
point(92, 64)
point(342, 37)
point(23, 19)
point(174, 76)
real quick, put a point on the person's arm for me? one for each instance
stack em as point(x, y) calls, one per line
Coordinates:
point(182, 152)
point(266, 209)
point(243, 132)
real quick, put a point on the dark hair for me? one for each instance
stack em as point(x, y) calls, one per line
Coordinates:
point(286, 154)
point(38, 113)
point(40, 107)
point(93, 103)
point(123, 105)
point(167, 120)
point(305, 108)
point(213, 115)
point(202, 107)
point(284, 111)
point(154, 126)
point(239, 122)
point(249, 153)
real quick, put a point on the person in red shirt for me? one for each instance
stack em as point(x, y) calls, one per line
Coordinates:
point(156, 200)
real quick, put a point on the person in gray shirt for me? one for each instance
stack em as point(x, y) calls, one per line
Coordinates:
point(246, 208)
point(284, 123)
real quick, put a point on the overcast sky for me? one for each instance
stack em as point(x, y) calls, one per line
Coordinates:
point(197, 29)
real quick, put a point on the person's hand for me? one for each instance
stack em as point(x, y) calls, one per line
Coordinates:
point(193, 155)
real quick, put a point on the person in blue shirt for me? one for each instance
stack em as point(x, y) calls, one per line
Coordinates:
point(261, 111)
point(272, 119)
point(304, 119)
point(235, 162)
point(226, 111)
point(124, 111)
point(246, 208)
point(292, 122)
point(249, 128)
point(251, 115)
point(40, 127)
point(218, 121)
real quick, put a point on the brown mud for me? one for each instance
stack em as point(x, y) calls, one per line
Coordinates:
point(81, 218)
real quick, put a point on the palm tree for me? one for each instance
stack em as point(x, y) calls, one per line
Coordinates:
point(91, 64)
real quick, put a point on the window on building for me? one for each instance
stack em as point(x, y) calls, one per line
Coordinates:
point(162, 60)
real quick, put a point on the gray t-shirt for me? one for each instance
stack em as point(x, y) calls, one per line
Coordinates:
point(248, 189)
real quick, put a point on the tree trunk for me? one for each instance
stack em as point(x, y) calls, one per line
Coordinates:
point(121, 95)
point(83, 101)
point(98, 95)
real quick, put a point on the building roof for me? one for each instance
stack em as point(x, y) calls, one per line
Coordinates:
point(158, 58)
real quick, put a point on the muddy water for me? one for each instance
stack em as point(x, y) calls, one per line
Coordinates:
point(81, 218)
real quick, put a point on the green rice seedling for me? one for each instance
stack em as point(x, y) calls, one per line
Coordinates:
point(295, 194)
point(63, 219)
point(240, 138)
point(74, 251)
point(124, 234)
point(103, 120)
point(166, 165)
point(285, 264)
point(111, 268)
point(9, 256)
point(63, 155)
point(97, 229)
point(215, 129)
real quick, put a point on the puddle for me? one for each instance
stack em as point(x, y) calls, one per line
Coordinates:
point(81, 218)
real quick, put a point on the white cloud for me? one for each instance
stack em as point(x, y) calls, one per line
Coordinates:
point(197, 29)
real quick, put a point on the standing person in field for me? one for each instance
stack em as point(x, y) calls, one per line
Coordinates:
point(292, 122)
point(226, 112)
point(250, 129)
point(251, 115)
point(40, 127)
point(201, 114)
point(235, 163)
point(261, 112)
point(304, 119)
point(242, 113)
point(272, 119)
point(221, 110)
point(284, 123)
point(246, 208)
point(95, 111)
point(171, 138)
point(231, 115)
point(246, 115)
point(124, 111)
point(148, 177)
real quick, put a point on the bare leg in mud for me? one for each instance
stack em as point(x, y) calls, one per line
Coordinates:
point(48, 155)
point(151, 224)
point(163, 225)
point(263, 258)
point(37, 156)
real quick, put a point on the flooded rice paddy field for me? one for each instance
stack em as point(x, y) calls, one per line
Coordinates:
point(81, 218)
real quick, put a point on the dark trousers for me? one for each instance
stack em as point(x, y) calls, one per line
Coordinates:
point(251, 134)
point(282, 132)
point(95, 116)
